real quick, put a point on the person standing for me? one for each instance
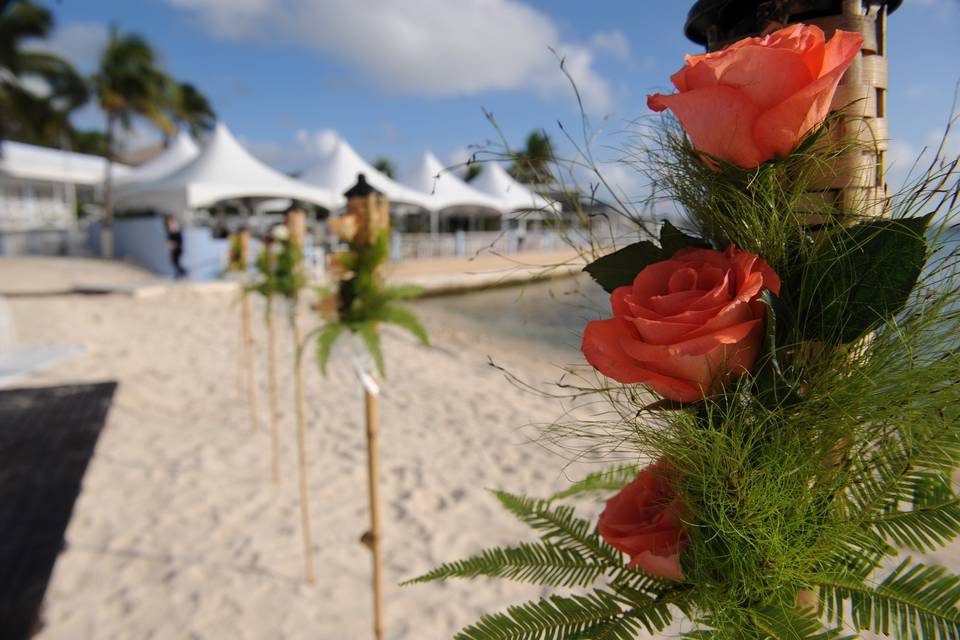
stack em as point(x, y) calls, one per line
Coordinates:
point(175, 244)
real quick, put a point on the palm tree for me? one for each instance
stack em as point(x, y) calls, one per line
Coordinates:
point(128, 83)
point(190, 109)
point(385, 166)
point(532, 165)
point(26, 115)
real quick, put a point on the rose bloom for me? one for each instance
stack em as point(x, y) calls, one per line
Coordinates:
point(754, 100)
point(645, 521)
point(686, 325)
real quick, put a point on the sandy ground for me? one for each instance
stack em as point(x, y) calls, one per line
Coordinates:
point(179, 533)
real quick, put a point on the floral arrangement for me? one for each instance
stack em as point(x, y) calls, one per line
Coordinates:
point(278, 266)
point(360, 301)
point(783, 380)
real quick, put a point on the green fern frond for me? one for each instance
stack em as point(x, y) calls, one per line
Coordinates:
point(534, 563)
point(371, 338)
point(559, 525)
point(923, 529)
point(915, 602)
point(787, 623)
point(402, 318)
point(325, 340)
point(607, 480)
point(595, 615)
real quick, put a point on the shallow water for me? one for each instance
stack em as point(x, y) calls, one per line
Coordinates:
point(551, 313)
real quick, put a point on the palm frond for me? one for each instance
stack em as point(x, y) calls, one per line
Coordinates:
point(595, 615)
point(559, 525)
point(605, 481)
point(533, 563)
point(915, 602)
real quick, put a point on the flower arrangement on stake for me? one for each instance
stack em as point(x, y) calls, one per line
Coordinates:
point(281, 269)
point(238, 265)
point(358, 305)
point(803, 366)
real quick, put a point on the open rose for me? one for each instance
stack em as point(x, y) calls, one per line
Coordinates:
point(756, 99)
point(686, 325)
point(645, 521)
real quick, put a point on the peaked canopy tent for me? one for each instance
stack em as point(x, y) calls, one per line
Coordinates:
point(458, 205)
point(222, 171)
point(339, 169)
point(180, 151)
point(513, 196)
point(41, 188)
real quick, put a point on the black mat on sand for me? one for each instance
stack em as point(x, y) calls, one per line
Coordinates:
point(47, 437)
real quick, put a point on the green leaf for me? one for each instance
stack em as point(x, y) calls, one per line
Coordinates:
point(560, 526)
point(772, 386)
point(371, 338)
point(922, 529)
point(862, 276)
point(618, 269)
point(607, 480)
point(325, 340)
point(543, 564)
point(594, 615)
point(672, 240)
point(915, 602)
point(402, 318)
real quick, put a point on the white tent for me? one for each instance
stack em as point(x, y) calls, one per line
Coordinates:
point(223, 170)
point(338, 171)
point(29, 162)
point(513, 196)
point(447, 189)
point(181, 151)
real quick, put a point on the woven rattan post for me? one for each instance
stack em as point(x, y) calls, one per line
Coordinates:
point(857, 184)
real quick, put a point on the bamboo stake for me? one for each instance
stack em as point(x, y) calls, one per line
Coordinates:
point(274, 411)
point(302, 446)
point(247, 354)
point(373, 537)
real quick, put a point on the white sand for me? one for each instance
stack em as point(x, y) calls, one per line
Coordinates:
point(179, 533)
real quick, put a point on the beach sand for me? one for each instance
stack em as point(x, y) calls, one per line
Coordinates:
point(179, 532)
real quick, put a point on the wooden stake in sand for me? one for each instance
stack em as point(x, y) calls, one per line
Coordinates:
point(372, 538)
point(297, 227)
point(246, 333)
point(274, 410)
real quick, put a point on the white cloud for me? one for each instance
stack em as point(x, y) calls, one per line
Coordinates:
point(613, 43)
point(424, 47)
point(79, 42)
point(306, 148)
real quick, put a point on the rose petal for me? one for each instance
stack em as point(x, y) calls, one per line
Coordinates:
point(778, 130)
point(719, 120)
point(602, 348)
point(767, 75)
point(663, 566)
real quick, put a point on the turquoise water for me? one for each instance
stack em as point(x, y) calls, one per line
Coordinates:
point(551, 313)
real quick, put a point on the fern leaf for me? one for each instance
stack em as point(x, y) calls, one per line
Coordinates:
point(325, 339)
point(561, 618)
point(923, 528)
point(915, 602)
point(559, 525)
point(534, 563)
point(403, 318)
point(371, 338)
point(607, 480)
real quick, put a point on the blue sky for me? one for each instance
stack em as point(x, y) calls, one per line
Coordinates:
point(396, 77)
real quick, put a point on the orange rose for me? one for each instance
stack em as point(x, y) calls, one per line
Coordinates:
point(645, 521)
point(686, 325)
point(755, 100)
